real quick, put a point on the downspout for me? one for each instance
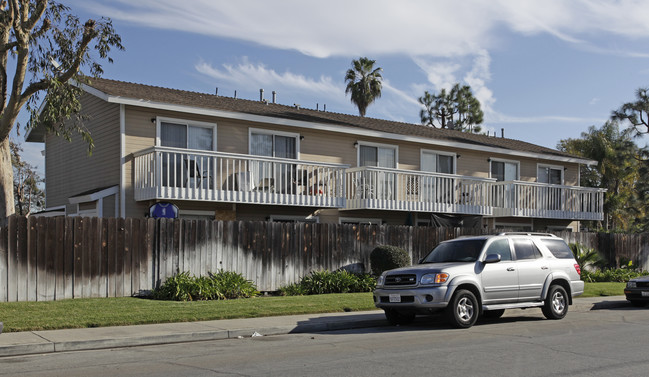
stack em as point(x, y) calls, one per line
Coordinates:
point(122, 160)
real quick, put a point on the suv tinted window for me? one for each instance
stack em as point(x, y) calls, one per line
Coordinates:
point(525, 249)
point(500, 247)
point(558, 248)
point(456, 251)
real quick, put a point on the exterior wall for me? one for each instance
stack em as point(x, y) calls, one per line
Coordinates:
point(69, 170)
point(315, 145)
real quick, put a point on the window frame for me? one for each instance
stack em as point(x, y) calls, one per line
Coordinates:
point(187, 123)
point(515, 162)
point(274, 133)
point(377, 145)
point(551, 167)
point(438, 153)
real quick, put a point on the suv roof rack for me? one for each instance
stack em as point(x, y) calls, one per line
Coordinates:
point(527, 234)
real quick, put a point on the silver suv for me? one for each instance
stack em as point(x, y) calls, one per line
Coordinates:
point(469, 277)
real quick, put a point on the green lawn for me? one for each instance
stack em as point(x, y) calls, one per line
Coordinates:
point(603, 289)
point(80, 313)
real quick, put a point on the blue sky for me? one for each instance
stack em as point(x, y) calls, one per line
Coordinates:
point(543, 70)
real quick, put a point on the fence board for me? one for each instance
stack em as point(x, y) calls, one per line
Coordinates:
point(35, 253)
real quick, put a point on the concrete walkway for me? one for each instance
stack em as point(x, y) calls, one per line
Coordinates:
point(38, 342)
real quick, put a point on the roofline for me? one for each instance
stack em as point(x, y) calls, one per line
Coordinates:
point(322, 126)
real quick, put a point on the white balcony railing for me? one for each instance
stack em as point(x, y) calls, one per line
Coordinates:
point(409, 190)
point(527, 199)
point(180, 174)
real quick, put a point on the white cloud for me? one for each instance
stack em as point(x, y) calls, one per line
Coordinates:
point(250, 75)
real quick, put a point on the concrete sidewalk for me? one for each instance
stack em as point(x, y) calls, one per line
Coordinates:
point(38, 342)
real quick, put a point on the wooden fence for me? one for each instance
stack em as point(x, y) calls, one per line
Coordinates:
point(44, 259)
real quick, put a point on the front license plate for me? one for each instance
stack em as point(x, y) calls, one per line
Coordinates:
point(644, 294)
point(396, 298)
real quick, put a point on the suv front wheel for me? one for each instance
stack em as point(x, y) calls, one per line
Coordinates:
point(462, 311)
point(556, 304)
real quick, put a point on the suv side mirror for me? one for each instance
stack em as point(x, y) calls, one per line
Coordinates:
point(492, 258)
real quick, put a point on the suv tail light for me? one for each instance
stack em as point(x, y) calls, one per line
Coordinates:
point(578, 268)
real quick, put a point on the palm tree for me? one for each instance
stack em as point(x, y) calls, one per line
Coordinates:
point(364, 83)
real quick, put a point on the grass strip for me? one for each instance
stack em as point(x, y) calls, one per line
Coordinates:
point(101, 312)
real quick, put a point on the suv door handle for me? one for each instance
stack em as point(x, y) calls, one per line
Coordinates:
point(510, 268)
point(544, 267)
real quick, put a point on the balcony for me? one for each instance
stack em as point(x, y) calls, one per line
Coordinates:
point(409, 190)
point(527, 199)
point(179, 174)
point(163, 173)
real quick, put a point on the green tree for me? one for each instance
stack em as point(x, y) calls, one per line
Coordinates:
point(28, 196)
point(636, 113)
point(51, 49)
point(618, 170)
point(456, 109)
point(364, 83)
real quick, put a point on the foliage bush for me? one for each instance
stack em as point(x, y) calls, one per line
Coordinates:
point(322, 282)
point(386, 257)
point(220, 286)
point(611, 275)
point(586, 257)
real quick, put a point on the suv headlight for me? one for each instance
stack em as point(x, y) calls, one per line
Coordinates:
point(437, 278)
point(631, 284)
point(380, 280)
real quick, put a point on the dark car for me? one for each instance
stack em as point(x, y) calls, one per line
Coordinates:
point(637, 291)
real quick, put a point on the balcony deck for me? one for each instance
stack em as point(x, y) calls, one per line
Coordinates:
point(163, 173)
point(179, 174)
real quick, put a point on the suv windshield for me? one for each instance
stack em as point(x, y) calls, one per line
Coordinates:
point(456, 251)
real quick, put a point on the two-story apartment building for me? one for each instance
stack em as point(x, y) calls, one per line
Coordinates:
point(234, 159)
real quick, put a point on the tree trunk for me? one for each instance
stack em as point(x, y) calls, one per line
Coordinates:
point(6, 183)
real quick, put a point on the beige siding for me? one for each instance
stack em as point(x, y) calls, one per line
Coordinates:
point(69, 170)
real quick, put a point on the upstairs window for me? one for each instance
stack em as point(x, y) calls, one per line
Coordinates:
point(271, 144)
point(550, 174)
point(504, 170)
point(376, 155)
point(186, 135)
point(437, 162)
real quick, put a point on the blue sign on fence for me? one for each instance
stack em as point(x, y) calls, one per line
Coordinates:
point(163, 210)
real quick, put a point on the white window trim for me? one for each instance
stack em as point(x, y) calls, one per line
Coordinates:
point(185, 122)
point(360, 220)
point(360, 143)
point(557, 167)
point(294, 135)
point(518, 166)
point(431, 151)
point(294, 218)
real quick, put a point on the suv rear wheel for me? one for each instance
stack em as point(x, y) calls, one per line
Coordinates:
point(462, 311)
point(396, 317)
point(556, 304)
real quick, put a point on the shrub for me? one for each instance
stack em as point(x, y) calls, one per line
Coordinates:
point(219, 286)
point(586, 257)
point(387, 257)
point(611, 275)
point(321, 282)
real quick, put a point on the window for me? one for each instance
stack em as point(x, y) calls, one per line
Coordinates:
point(187, 135)
point(271, 144)
point(550, 174)
point(500, 247)
point(186, 169)
point(558, 248)
point(437, 162)
point(504, 170)
point(377, 184)
point(525, 249)
point(380, 156)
